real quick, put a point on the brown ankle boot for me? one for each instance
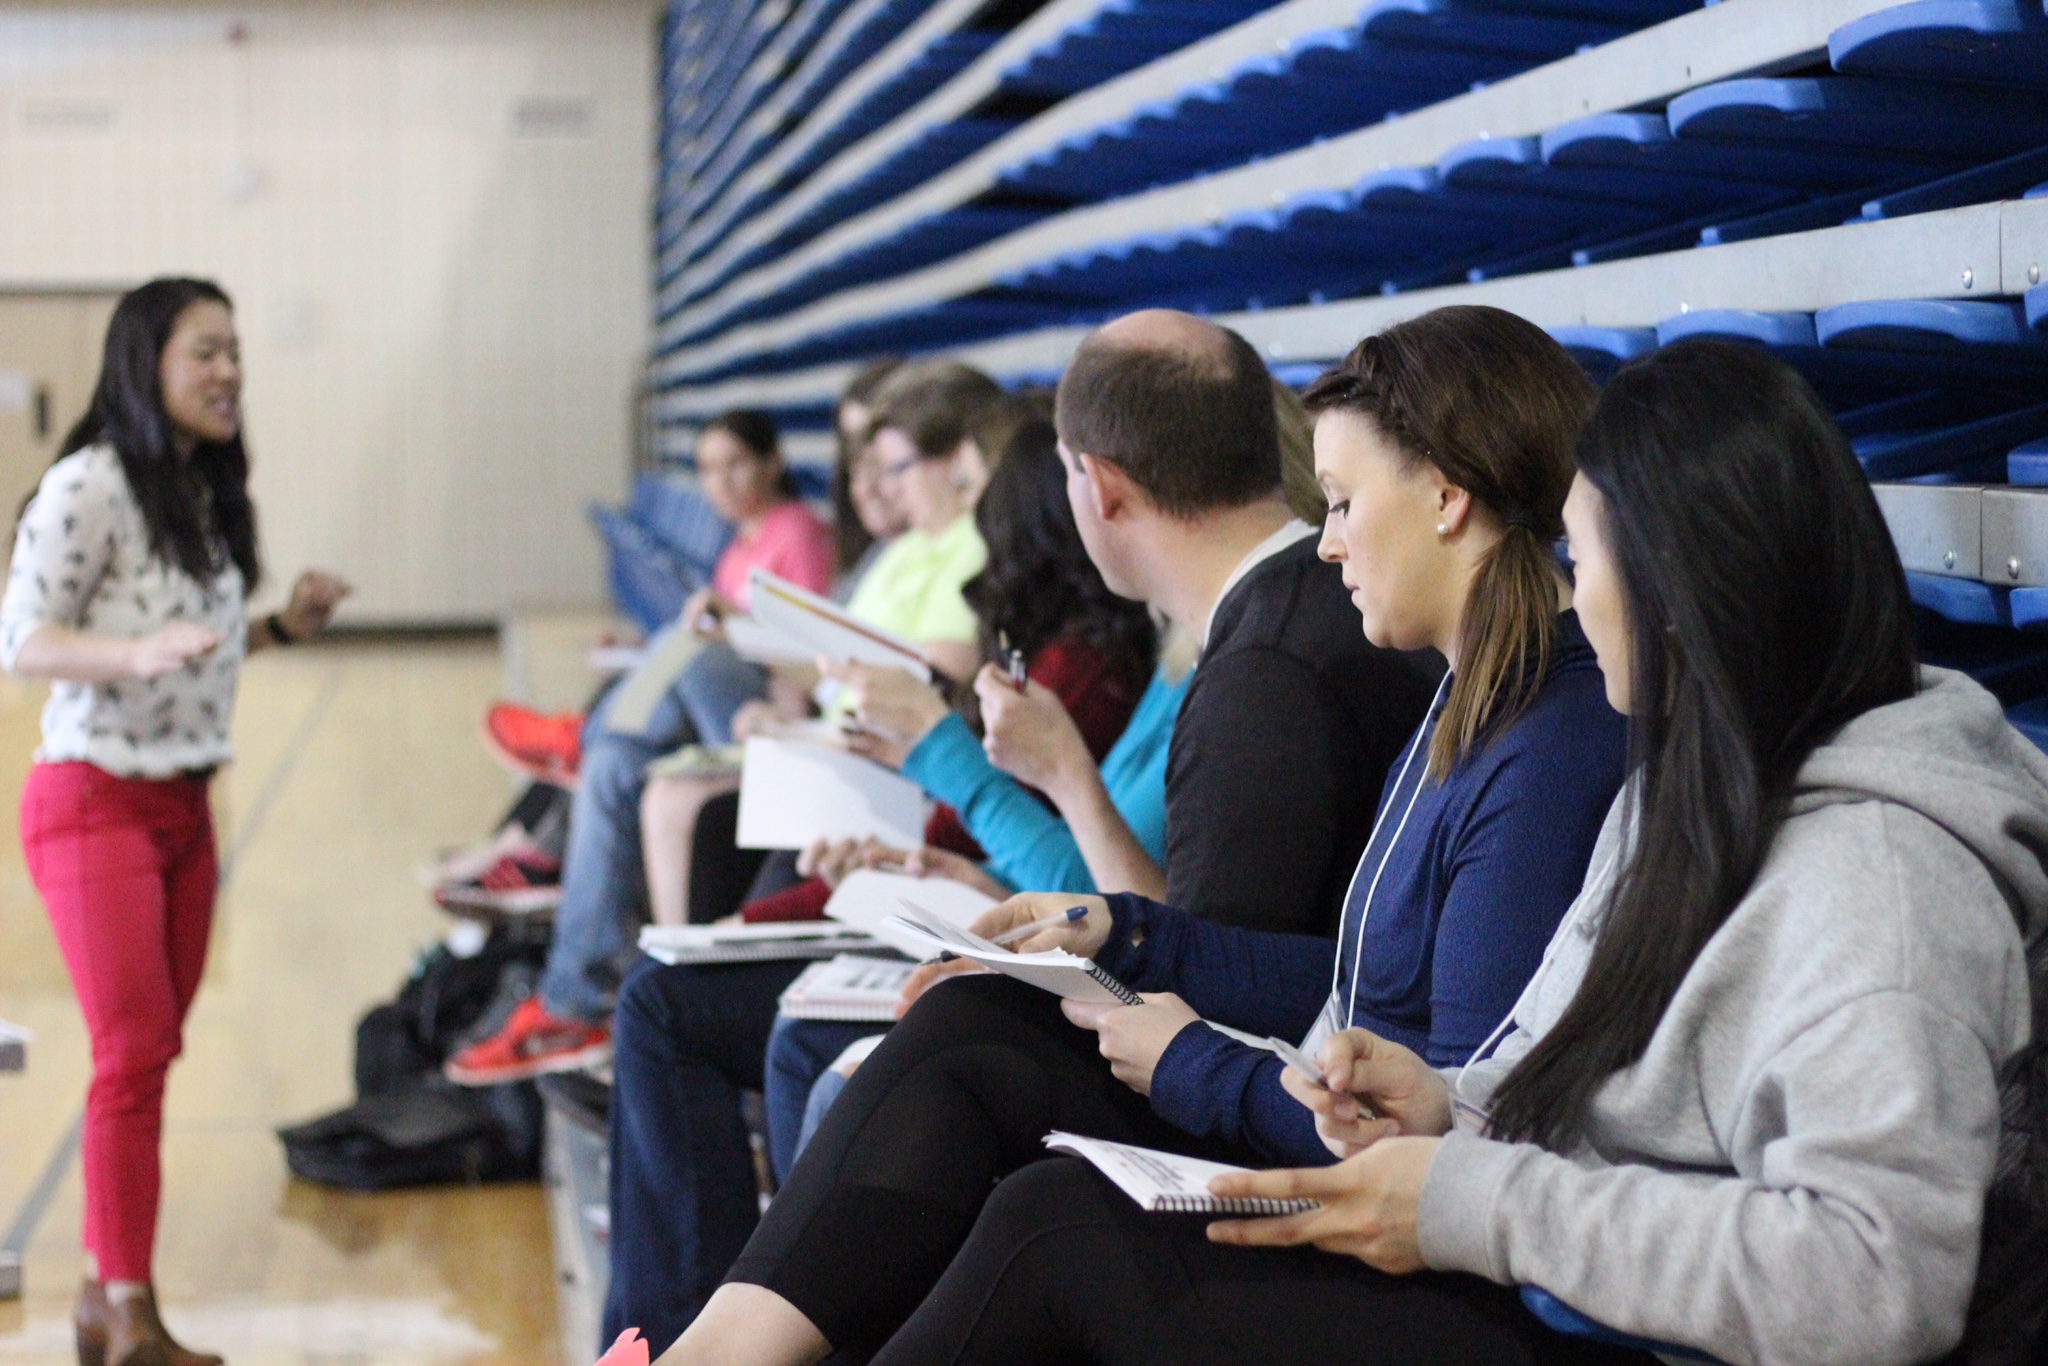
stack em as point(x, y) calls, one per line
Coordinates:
point(137, 1337)
point(89, 1324)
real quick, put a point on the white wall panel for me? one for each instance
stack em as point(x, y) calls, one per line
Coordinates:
point(443, 312)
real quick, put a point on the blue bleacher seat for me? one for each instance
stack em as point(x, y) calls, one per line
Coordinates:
point(1602, 350)
point(1925, 324)
point(1776, 330)
point(2003, 41)
point(1554, 1314)
point(2030, 718)
point(2005, 179)
point(1965, 601)
point(2027, 464)
point(1981, 445)
point(2036, 305)
point(1893, 126)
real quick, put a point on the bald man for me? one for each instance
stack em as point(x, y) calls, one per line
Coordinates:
point(1166, 425)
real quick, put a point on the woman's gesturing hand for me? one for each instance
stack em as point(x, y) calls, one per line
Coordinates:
point(170, 648)
point(315, 595)
point(1408, 1095)
point(1369, 1205)
point(1028, 734)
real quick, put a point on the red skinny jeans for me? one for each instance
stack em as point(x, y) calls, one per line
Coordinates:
point(127, 871)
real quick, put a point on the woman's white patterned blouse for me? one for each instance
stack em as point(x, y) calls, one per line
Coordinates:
point(82, 561)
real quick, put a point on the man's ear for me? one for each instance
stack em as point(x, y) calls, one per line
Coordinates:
point(1115, 493)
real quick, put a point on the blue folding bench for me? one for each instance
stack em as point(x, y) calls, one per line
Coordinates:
point(663, 545)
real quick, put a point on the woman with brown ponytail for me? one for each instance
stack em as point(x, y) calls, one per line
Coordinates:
point(1444, 448)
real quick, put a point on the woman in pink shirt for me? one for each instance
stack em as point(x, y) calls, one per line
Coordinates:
point(740, 470)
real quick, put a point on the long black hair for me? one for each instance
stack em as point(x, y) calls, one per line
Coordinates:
point(197, 511)
point(1766, 608)
point(1040, 584)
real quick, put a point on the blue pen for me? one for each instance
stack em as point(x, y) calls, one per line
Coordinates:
point(1073, 915)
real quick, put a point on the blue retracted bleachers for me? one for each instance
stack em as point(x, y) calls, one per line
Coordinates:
point(792, 219)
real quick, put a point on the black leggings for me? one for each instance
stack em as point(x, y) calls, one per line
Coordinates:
point(958, 1096)
point(1063, 1267)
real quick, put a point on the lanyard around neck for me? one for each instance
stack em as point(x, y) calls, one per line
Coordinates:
point(1372, 888)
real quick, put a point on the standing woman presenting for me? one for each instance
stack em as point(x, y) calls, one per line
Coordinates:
point(132, 565)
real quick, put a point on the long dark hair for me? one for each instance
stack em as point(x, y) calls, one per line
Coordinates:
point(1040, 584)
point(1766, 608)
point(1495, 403)
point(198, 512)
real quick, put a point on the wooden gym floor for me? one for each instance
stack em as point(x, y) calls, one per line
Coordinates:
point(355, 761)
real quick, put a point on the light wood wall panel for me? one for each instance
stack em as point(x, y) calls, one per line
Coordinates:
point(433, 218)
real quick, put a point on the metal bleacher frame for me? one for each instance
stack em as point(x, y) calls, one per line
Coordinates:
point(13, 1058)
point(780, 269)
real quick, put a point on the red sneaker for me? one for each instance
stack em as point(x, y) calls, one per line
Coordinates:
point(521, 884)
point(532, 1042)
point(545, 748)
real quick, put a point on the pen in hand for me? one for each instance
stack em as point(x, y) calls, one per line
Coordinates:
point(1299, 1063)
point(1073, 915)
point(1015, 660)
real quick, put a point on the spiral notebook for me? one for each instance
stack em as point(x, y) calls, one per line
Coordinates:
point(775, 940)
point(1056, 970)
point(1167, 1183)
point(850, 987)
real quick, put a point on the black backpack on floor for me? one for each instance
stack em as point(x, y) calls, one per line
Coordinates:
point(409, 1127)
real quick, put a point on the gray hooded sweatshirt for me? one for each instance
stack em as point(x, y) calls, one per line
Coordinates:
point(1795, 1170)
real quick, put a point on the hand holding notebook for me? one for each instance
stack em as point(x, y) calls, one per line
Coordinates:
point(1167, 1183)
point(1056, 970)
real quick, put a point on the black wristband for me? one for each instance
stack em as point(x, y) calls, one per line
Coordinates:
point(278, 635)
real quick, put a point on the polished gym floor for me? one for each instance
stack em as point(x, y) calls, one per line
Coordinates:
point(355, 762)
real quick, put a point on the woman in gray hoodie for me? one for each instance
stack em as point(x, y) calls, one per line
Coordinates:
point(1749, 1104)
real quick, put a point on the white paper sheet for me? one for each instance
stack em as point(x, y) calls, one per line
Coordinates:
point(868, 899)
point(761, 644)
point(793, 793)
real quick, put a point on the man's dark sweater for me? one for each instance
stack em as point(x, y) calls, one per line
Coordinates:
point(1282, 747)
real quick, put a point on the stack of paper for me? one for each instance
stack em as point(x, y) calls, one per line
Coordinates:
point(848, 987)
point(1167, 1183)
point(792, 794)
point(824, 628)
point(869, 899)
point(750, 943)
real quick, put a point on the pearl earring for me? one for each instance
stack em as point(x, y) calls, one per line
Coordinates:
point(1443, 529)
